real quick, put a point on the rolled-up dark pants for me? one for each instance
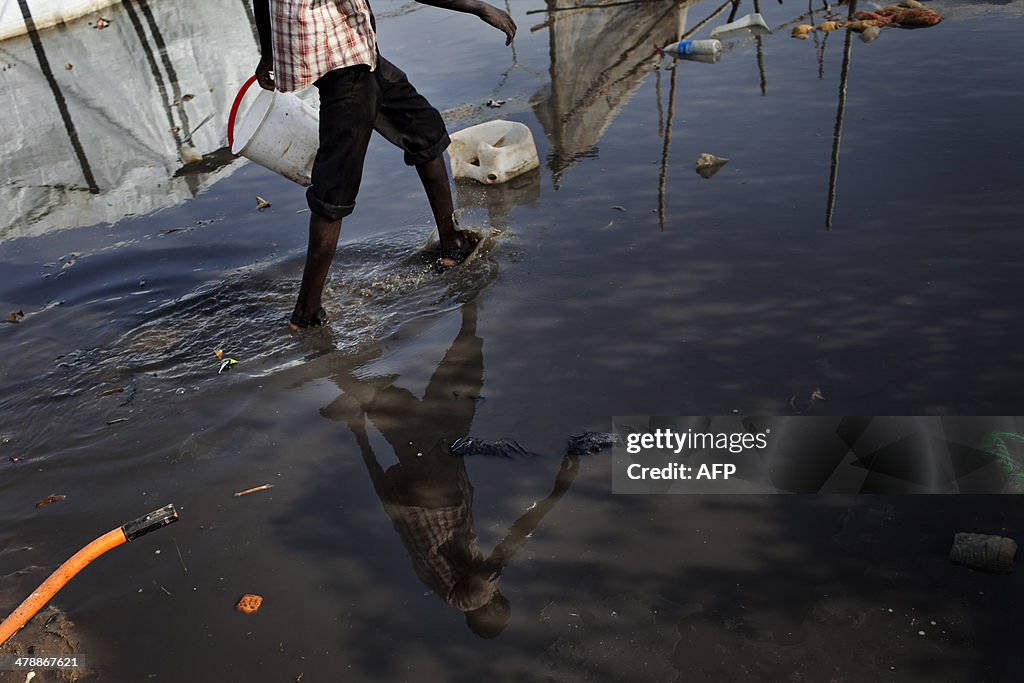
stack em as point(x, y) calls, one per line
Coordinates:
point(354, 102)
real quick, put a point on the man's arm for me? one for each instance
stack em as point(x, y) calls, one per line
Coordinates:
point(497, 18)
point(261, 9)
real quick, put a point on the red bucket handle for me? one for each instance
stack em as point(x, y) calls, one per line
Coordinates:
point(234, 112)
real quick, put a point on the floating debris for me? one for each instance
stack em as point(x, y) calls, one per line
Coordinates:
point(117, 420)
point(50, 500)
point(828, 26)
point(708, 165)
point(802, 31)
point(225, 362)
point(588, 443)
point(495, 104)
point(261, 203)
point(256, 489)
point(504, 448)
point(870, 34)
point(15, 317)
point(750, 25)
point(189, 155)
point(984, 551)
point(911, 18)
point(249, 603)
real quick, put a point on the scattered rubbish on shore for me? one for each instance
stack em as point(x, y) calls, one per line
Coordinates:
point(50, 500)
point(69, 66)
point(750, 25)
point(496, 104)
point(589, 443)
point(708, 165)
point(15, 317)
point(983, 551)
point(255, 489)
point(102, 23)
point(262, 203)
point(249, 603)
point(225, 363)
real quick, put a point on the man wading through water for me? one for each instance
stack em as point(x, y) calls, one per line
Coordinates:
point(332, 44)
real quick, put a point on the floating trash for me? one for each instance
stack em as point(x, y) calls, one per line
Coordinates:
point(802, 31)
point(588, 443)
point(503, 448)
point(50, 500)
point(249, 603)
point(750, 25)
point(708, 165)
point(984, 551)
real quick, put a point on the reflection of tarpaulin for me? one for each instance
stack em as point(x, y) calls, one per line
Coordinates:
point(95, 118)
point(599, 58)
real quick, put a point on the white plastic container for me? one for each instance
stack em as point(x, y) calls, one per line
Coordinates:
point(278, 131)
point(493, 152)
point(750, 25)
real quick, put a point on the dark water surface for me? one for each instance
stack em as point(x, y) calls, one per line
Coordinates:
point(613, 280)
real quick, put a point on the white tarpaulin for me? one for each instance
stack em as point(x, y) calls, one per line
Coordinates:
point(44, 13)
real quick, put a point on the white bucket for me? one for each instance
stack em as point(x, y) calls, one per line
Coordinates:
point(493, 152)
point(278, 131)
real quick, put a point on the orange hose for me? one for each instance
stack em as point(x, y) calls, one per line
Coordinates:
point(58, 580)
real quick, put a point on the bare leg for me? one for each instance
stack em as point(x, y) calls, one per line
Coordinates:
point(323, 241)
point(434, 177)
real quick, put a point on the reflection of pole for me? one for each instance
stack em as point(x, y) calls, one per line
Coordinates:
point(657, 94)
point(840, 115)
point(760, 55)
point(665, 147)
point(735, 7)
point(58, 96)
point(701, 24)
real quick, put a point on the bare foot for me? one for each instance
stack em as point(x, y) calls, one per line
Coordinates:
point(454, 254)
point(298, 322)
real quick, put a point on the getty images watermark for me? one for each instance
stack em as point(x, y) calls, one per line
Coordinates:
point(732, 454)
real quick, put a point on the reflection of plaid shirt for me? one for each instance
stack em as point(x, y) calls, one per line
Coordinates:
point(440, 541)
point(312, 37)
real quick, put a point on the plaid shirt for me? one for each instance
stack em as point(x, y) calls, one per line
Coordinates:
point(312, 37)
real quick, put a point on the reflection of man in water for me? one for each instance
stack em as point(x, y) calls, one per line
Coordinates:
point(332, 44)
point(427, 493)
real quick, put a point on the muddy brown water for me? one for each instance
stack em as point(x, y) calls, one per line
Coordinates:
point(614, 280)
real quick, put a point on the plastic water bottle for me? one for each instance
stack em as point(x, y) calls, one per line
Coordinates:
point(694, 47)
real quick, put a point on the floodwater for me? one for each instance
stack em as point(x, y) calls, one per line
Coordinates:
point(863, 240)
